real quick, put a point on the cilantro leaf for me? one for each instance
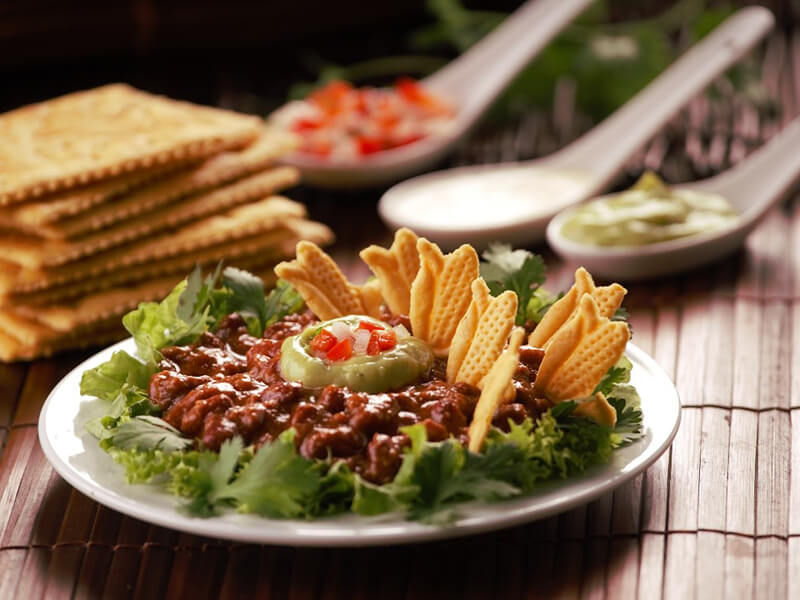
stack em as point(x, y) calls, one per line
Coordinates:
point(625, 400)
point(619, 373)
point(148, 433)
point(283, 300)
point(246, 298)
point(277, 482)
point(517, 270)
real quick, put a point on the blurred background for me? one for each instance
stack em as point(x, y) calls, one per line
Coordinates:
point(252, 56)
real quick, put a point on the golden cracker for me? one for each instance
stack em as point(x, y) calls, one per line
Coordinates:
point(608, 298)
point(371, 298)
point(12, 350)
point(317, 278)
point(441, 294)
point(488, 336)
point(215, 171)
point(395, 269)
point(33, 253)
point(580, 353)
point(598, 410)
point(273, 245)
point(104, 132)
point(32, 215)
point(494, 388)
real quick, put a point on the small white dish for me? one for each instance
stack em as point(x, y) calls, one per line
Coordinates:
point(754, 186)
point(505, 202)
point(471, 83)
point(76, 456)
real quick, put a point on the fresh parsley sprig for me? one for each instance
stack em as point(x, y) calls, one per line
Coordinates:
point(517, 270)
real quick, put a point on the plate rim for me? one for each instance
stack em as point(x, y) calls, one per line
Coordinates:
point(413, 532)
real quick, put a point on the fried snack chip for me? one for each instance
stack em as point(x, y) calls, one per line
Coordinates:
point(481, 335)
point(12, 349)
point(608, 299)
point(33, 253)
point(440, 294)
point(395, 269)
point(598, 410)
point(495, 385)
point(215, 171)
point(104, 132)
point(325, 289)
point(580, 353)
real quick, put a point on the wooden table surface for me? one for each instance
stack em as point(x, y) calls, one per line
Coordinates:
point(718, 514)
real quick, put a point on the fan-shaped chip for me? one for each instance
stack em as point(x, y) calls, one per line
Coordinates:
point(598, 410)
point(440, 294)
point(580, 353)
point(323, 286)
point(494, 387)
point(481, 334)
point(608, 299)
point(395, 269)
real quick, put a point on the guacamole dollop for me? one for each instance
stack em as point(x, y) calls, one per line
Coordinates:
point(383, 372)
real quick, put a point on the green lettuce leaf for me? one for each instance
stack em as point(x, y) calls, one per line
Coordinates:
point(106, 380)
point(147, 432)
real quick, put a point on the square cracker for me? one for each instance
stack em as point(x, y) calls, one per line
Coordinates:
point(245, 252)
point(90, 135)
point(63, 214)
point(33, 253)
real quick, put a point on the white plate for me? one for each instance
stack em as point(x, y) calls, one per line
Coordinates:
point(78, 459)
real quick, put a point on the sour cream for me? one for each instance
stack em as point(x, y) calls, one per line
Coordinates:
point(497, 197)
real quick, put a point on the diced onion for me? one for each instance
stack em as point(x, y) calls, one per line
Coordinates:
point(341, 330)
point(361, 341)
point(401, 332)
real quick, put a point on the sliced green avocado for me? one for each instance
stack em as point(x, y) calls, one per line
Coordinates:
point(387, 371)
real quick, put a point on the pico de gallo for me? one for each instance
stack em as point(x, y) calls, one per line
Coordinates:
point(340, 122)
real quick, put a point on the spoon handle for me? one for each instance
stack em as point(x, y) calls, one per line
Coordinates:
point(605, 149)
point(478, 76)
point(763, 177)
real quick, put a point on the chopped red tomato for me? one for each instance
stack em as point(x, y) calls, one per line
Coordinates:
point(387, 339)
point(331, 97)
point(368, 326)
point(374, 345)
point(323, 342)
point(369, 145)
point(342, 350)
point(301, 125)
point(416, 94)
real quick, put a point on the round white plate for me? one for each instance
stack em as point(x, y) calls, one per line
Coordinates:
point(76, 456)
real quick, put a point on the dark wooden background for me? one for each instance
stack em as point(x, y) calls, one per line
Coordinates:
point(716, 516)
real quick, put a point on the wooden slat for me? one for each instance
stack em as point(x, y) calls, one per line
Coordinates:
point(710, 580)
point(793, 568)
point(739, 566)
point(776, 354)
point(772, 477)
point(651, 566)
point(685, 472)
point(712, 487)
point(794, 470)
point(746, 352)
point(771, 560)
point(623, 568)
point(741, 487)
point(680, 566)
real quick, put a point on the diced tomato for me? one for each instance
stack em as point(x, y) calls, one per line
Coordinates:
point(331, 97)
point(341, 351)
point(301, 125)
point(318, 147)
point(369, 145)
point(387, 339)
point(417, 95)
point(323, 342)
point(410, 139)
point(374, 345)
point(368, 326)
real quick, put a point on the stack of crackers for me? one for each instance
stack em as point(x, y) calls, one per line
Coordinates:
point(109, 197)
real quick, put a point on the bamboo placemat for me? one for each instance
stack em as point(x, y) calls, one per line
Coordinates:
point(718, 515)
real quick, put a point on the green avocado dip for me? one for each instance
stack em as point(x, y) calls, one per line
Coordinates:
point(647, 213)
point(388, 370)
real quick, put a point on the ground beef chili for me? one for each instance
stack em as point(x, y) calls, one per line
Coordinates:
point(228, 383)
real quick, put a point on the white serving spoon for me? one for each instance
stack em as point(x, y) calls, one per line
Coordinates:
point(514, 202)
point(753, 187)
point(471, 82)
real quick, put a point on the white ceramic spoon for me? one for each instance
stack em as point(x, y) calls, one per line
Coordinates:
point(753, 187)
point(472, 82)
point(514, 202)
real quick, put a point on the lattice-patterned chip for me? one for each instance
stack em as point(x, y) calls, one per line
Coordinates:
point(608, 299)
point(481, 335)
point(580, 353)
point(323, 286)
point(598, 410)
point(395, 269)
point(440, 294)
point(494, 387)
